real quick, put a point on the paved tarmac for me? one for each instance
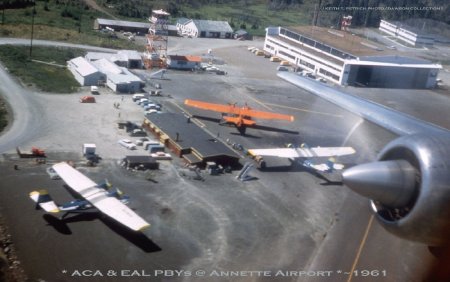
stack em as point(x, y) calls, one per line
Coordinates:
point(286, 225)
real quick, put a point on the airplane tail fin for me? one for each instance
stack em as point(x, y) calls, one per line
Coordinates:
point(43, 200)
point(106, 184)
point(117, 193)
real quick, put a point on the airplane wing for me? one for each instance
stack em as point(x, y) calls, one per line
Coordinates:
point(303, 152)
point(231, 109)
point(99, 197)
point(265, 115)
point(212, 107)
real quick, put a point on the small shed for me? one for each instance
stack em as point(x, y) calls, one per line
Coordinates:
point(184, 62)
point(140, 162)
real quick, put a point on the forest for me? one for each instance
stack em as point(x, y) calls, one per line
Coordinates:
point(364, 12)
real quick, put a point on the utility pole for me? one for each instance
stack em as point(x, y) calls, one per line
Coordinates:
point(32, 27)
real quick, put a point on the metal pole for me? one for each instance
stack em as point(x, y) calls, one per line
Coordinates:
point(32, 28)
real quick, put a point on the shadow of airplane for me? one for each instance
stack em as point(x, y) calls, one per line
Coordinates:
point(137, 238)
point(333, 178)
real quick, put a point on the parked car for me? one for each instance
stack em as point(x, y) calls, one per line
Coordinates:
point(87, 99)
point(140, 101)
point(275, 59)
point(152, 111)
point(136, 97)
point(282, 68)
point(137, 132)
point(52, 173)
point(127, 144)
point(94, 90)
point(141, 141)
point(321, 79)
point(152, 107)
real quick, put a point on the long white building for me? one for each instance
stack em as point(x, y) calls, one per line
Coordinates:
point(103, 71)
point(405, 33)
point(346, 59)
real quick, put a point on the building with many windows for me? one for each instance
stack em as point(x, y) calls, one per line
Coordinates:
point(347, 59)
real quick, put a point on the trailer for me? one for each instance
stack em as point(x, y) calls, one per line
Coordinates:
point(35, 153)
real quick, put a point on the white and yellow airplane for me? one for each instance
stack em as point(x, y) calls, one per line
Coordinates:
point(108, 201)
point(303, 156)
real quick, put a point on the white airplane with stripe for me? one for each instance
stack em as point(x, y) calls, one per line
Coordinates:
point(303, 152)
point(109, 203)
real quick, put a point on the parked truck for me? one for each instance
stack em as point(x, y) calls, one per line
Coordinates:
point(35, 153)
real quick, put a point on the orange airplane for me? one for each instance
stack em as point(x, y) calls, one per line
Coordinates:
point(241, 117)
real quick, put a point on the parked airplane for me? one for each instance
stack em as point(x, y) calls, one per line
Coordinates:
point(303, 155)
point(103, 198)
point(409, 184)
point(241, 117)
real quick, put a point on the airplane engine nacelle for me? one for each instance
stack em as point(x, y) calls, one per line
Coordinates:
point(427, 214)
point(409, 187)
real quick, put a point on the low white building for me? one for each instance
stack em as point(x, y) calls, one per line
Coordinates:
point(116, 25)
point(102, 71)
point(119, 79)
point(406, 33)
point(84, 72)
point(125, 58)
point(205, 28)
point(183, 62)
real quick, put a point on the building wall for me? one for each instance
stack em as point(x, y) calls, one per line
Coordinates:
point(133, 29)
point(302, 58)
point(184, 65)
point(88, 80)
point(190, 29)
point(391, 76)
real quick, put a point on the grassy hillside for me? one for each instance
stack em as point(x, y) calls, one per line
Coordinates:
point(253, 15)
point(45, 77)
point(62, 21)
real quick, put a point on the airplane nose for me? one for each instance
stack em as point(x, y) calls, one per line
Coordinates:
point(392, 183)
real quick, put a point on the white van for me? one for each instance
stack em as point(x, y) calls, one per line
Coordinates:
point(94, 90)
point(137, 97)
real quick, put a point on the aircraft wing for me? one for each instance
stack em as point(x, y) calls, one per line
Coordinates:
point(212, 107)
point(394, 121)
point(303, 152)
point(266, 115)
point(99, 197)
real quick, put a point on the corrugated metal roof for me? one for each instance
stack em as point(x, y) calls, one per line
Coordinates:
point(107, 67)
point(83, 67)
point(123, 23)
point(125, 76)
point(218, 26)
point(129, 55)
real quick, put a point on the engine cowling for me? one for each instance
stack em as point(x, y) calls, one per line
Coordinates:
point(409, 187)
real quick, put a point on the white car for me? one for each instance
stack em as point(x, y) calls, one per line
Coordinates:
point(127, 144)
point(141, 101)
point(52, 173)
point(152, 111)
